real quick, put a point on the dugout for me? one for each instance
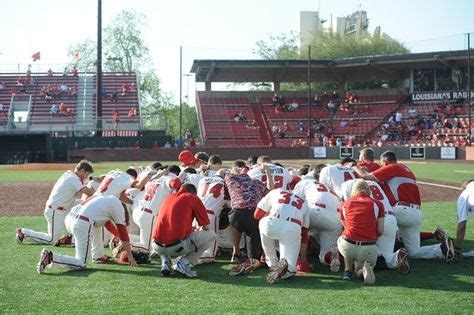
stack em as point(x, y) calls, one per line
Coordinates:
point(16, 148)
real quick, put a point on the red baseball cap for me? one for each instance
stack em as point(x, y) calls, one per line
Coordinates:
point(187, 158)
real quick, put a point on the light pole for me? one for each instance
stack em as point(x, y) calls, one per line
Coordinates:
point(187, 75)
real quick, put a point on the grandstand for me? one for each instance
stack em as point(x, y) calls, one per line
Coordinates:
point(358, 124)
point(27, 103)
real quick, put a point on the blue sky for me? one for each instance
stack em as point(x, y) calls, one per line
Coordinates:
point(215, 29)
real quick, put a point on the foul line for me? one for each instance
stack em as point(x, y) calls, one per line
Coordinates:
point(439, 185)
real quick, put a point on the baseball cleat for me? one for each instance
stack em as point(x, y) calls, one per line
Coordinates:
point(288, 275)
point(102, 260)
point(347, 275)
point(439, 234)
point(184, 269)
point(166, 268)
point(205, 260)
point(19, 236)
point(64, 240)
point(335, 263)
point(46, 258)
point(368, 273)
point(244, 268)
point(402, 258)
point(447, 248)
point(238, 259)
point(277, 272)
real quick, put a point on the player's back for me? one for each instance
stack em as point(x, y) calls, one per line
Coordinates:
point(100, 209)
point(155, 192)
point(211, 192)
point(280, 175)
point(114, 183)
point(317, 194)
point(376, 192)
point(334, 175)
point(64, 190)
point(285, 204)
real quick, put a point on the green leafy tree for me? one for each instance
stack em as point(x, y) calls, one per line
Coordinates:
point(126, 51)
point(327, 45)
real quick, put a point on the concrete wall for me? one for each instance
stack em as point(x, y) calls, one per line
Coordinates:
point(171, 154)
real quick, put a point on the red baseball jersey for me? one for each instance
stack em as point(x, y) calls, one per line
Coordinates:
point(175, 220)
point(360, 214)
point(399, 183)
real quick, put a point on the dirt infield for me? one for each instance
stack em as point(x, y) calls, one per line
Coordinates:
point(27, 198)
point(45, 167)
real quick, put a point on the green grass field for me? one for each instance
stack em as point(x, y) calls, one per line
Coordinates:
point(431, 287)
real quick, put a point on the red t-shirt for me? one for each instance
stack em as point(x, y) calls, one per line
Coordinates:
point(399, 183)
point(176, 217)
point(360, 214)
point(371, 166)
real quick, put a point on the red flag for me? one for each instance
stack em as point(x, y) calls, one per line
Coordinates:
point(77, 55)
point(36, 56)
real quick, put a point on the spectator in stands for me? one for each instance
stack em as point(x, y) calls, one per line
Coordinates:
point(1, 108)
point(332, 106)
point(437, 124)
point(136, 145)
point(252, 125)
point(155, 145)
point(293, 106)
point(65, 72)
point(63, 89)
point(317, 100)
point(343, 124)
point(446, 124)
point(114, 97)
point(115, 119)
point(275, 100)
point(412, 113)
point(132, 112)
point(339, 142)
point(325, 141)
point(28, 72)
point(54, 109)
point(3, 85)
point(300, 126)
point(398, 117)
point(275, 128)
point(334, 96)
point(72, 92)
point(239, 117)
point(192, 142)
point(167, 145)
point(50, 72)
point(74, 71)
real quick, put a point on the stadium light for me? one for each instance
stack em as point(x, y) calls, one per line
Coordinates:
point(187, 75)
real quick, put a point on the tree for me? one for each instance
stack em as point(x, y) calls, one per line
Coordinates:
point(190, 120)
point(327, 45)
point(126, 51)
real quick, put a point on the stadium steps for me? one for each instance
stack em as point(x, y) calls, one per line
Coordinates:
point(261, 120)
point(85, 109)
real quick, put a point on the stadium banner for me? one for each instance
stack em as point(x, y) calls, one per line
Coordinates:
point(439, 96)
point(417, 153)
point(448, 153)
point(346, 152)
point(320, 152)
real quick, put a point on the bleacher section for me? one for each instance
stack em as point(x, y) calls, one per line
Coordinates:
point(82, 107)
point(217, 109)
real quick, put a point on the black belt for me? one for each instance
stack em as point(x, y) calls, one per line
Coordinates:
point(168, 245)
point(361, 243)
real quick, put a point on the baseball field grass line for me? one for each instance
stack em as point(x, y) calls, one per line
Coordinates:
point(431, 287)
point(439, 185)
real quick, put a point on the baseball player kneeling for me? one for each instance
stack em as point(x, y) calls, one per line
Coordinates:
point(283, 217)
point(84, 222)
point(363, 220)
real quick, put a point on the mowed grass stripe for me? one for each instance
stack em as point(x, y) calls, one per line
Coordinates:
point(432, 287)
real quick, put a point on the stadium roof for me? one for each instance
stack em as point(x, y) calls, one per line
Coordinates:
point(387, 67)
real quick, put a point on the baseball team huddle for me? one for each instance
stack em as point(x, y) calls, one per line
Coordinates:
point(360, 214)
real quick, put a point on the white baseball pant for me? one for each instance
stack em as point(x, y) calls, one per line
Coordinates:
point(189, 249)
point(326, 223)
point(288, 235)
point(87, 238)
point(211, 252)
point(386, 241)
point(145, 220)
point(409, 224)
point(55, 221)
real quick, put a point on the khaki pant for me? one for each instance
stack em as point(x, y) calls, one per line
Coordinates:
point(358, 253)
